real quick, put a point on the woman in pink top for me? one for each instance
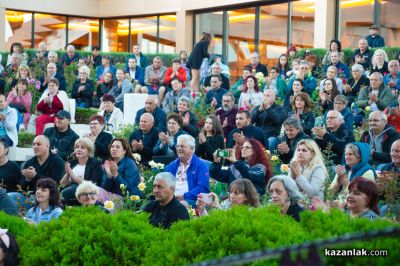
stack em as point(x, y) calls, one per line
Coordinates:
point(21, 99)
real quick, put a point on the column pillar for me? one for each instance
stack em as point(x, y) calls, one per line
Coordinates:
point(184, 31)
point(2, 29)
point(324, 23)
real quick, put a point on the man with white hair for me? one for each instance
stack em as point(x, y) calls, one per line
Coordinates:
point(52, 57)
point(192, 175)
point(392, 80)
point(70, 56)
point(256, 66)
point(376, 96)
point(165, 209)
point(336, 135)
point(358, 81)
point(380, 137)
point(151, 106)
point(216, 69)
point(52, 72)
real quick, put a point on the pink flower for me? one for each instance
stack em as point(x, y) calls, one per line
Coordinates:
point(37, 85)
point(31, 81)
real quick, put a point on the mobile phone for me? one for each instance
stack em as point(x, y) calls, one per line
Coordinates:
point(206, 198)
point(223, 153)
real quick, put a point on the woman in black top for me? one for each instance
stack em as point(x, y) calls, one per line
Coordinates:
point(10, 173)
point(199, 52)
point(100, 138)
point(210, 138)
point(103, 88)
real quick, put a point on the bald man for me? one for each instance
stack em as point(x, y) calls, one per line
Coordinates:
point(151, 106)
point(269, 117)
point(145, 138)
point(43, 165)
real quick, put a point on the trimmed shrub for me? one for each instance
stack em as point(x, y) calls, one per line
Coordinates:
point(25, 139)
point(83, 236)
point(82, 115)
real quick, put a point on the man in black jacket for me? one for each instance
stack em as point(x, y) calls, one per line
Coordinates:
point(380, 137)
point(269, 117)
point(43, 165)
point(151, 106)
point(335, 134)
point(62, 137)
point(244, 130)
point(145, 138)
point(165, 209)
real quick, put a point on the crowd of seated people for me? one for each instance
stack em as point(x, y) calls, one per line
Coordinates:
point(300, 111)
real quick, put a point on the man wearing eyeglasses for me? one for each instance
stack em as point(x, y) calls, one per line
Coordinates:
point(380, 137)
point(61, 136)
point(335, 134)
point(310, 83)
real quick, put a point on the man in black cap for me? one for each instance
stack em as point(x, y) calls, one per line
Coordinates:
point(374, 39)
point(62, 137)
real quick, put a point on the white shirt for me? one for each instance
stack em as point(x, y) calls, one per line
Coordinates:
point(79, 171)
point(181, 186)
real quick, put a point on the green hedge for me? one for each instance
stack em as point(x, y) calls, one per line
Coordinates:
point(88, 236)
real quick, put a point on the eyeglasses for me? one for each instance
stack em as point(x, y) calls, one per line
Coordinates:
point(246, 147)
point(89, 194)
point(339, 103)
point(330, 117)
point(374, 120)
point(82, 73)
point(180, 146)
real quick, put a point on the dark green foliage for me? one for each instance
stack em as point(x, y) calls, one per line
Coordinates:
point(25, 139)
point(82, 115)
point(88, 236)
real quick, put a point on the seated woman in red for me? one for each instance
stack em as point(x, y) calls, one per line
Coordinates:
point(51, 101)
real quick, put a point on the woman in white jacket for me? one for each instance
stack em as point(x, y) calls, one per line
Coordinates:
point(307, 168)
point(113, 116)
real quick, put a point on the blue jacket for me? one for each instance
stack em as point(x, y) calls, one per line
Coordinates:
point(128, 175)
point(342, 69)
point(164, 149)
point(160, 118)
point(100, 70)
point(375, 42)
point(217, 94)
point(139, 74)
point(142, 63)
point(198, 177)
point(363, 166)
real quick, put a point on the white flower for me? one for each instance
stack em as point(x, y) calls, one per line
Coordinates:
point(109, 205)
point(160, 166)
point(137, 157)
point(153, 164)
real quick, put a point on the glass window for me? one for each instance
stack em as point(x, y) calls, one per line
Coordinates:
point(115, 35)
point(18, 28)
point(390, 23)
point(167, 34)
point(211, 23)
point(50, 29)
point(83, 33)
point(240, 39)
point(355, 17)
point(273, 33)
point(303, 23)
point(144, 33)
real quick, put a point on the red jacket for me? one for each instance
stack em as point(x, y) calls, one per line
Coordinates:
point(45, 108)
point(181, 76)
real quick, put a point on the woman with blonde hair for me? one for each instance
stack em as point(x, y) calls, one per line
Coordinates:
point(24, 72)
point(380, 62)
point(82, 167)
point(307, 168)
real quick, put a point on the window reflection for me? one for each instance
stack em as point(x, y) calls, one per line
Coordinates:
point(18, 28)
point(211, 23)
point(115, 35)
point(390, 23)
point(273, 32)
point(355, 17)
point(50, 29)
point(144, 33)
point(303, 23)
point(240, 39)
point(83, 33)
point(167, 34)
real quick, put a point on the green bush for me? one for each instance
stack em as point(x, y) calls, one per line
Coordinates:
point(25, 139)
point(82, 115)
point(88, 236)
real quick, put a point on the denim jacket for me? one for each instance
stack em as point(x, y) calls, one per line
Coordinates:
point(37, 215)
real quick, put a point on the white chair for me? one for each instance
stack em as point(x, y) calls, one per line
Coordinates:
point(132, 103)
point(72, 108)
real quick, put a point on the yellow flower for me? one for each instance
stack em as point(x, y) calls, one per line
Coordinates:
point(122, 186)
point(267, 152)
point(191, 211)
point(368, 108)
point(109, 205)
point(274, 158)
point(134, 198)
point(141, 186)
point(284, 168)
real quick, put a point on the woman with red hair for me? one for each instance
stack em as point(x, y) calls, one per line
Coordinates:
point(251, 95)
point(248, 161)
point(363, 198)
